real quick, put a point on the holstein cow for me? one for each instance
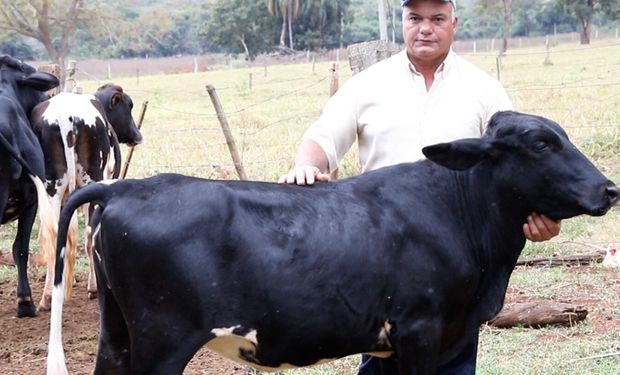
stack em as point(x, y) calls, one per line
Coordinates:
point(21, 162)
point(80, 135)
point(409, 259)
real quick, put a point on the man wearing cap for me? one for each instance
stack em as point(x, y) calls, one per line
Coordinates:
point(423, 95)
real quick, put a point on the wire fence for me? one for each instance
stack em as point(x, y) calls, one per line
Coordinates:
point(269, 106)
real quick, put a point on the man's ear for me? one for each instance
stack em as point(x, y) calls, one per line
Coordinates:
point(458, 155)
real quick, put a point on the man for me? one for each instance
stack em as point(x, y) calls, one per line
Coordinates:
point(423, 95)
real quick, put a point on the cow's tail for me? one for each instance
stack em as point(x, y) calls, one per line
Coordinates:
point(93, 193)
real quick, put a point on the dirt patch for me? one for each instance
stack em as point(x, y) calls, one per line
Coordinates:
point(23, 342)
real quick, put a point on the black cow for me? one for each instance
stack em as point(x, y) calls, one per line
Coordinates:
point(408, 259)
point(80, 137)
point(21, 161)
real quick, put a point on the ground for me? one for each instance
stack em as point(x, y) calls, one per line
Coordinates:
point(23, 342)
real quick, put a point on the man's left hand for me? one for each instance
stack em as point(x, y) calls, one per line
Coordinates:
point(540, 228)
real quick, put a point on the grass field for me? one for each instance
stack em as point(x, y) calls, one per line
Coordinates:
point(269, 108)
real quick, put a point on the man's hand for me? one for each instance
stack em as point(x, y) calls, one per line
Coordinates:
point(540, 228)
point(303, 175)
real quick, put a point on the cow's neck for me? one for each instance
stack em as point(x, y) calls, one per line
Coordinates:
point(496, 234)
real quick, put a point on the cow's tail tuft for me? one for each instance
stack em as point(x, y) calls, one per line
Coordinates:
point(97, 193)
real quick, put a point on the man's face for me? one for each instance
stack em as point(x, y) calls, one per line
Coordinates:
point(428, 30)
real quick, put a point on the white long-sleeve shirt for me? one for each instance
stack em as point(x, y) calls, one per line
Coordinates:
point(388, 109)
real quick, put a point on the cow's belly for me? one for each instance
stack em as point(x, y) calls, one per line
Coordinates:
point(242, 349)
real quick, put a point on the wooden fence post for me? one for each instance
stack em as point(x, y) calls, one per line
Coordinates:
point(145, 105)
point(71, 67)
point(230, 141)
point(362, 55)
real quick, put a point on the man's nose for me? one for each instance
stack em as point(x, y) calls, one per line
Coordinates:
point(426, 27)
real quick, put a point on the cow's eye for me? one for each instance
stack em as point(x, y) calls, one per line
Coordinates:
point(541, 146)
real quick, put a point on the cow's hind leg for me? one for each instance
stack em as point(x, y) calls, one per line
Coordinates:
point(113, 353)
point(25, 306)
point(163, 352)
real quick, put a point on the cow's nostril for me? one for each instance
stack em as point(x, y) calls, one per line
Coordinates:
point(613, 193)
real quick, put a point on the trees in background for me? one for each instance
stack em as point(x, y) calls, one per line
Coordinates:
point(52, 23)
point(237, 26)
point(288, 11)
point(172, 27)
point(322, 24)
point(584, 10)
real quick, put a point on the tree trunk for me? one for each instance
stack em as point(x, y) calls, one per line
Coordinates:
point(569, 260)
point(539, 314)
point(583, 24)
point(283, 32)
point(245, 47)
point(507, 24)
point(382, 20)
point(290, 25)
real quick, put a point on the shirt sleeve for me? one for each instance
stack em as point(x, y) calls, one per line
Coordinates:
point(336, 129)
point(498, 101)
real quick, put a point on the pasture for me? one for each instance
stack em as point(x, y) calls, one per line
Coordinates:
point(269, 107)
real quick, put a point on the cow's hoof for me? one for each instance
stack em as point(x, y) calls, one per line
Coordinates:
point(26, 309)
point(92, 295)
point(45, 304)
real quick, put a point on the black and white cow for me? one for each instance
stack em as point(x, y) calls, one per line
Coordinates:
point(80, 137)
point(21, 161)
point(409, 259)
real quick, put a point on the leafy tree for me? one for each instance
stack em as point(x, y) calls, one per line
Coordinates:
point(536, 18)
point(289, 11)
point(584, 10)
point(322, 23)
point(479, 20)
point(239, 26)
point(52, 23)
point(363, 24)
point(14, 45)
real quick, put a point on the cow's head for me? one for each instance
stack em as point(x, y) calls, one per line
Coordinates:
point(533, 162)
point(23, 83)
point(117, 107)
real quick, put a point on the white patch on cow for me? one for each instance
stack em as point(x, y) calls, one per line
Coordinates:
point(229, 345)
point(383, 339)
point(384, 334)
point(66, 104)
point(108, 181)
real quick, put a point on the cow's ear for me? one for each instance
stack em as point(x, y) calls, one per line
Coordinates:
point(40, 81)
point(458, 155)
point(115, 99)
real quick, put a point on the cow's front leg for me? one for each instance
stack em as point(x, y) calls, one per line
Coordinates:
point(25, 306)
point(417, 347)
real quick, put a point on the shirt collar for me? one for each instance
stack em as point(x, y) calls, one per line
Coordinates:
point(442, 70)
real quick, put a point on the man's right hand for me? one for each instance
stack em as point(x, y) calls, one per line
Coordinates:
point(303, 175)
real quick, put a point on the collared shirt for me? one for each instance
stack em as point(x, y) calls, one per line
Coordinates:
point(389, 111)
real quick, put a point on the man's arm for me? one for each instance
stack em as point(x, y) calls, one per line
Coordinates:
point(311, 165)
point(540, 228)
